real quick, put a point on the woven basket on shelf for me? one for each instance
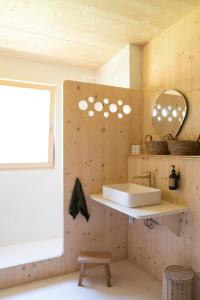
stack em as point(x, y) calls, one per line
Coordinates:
point(177, 147)
point(177, 283)
point(198, 149)
point(155, 147)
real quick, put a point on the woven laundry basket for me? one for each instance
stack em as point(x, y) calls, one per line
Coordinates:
point(177, 283)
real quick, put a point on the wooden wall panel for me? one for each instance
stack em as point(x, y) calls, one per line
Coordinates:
point(158, 248)
point(91, 153)
point(95, 150)
point(172, 60)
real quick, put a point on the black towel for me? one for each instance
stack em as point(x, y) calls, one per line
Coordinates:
point(78, 203)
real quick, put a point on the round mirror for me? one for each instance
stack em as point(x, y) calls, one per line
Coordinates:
point(169, 113)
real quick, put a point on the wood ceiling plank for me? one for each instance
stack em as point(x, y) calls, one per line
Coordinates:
point(84, 32)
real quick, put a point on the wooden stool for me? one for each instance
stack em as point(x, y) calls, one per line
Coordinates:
point(95, 258)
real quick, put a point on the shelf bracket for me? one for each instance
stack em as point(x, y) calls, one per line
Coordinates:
point(131, 220)
point(172, 222)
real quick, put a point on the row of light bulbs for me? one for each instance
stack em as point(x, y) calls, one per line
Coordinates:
point(169, 112)
point(99, 106)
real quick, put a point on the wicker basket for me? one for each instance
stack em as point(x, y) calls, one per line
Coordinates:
point(177, 147)
point(177, 283)
point(196, 287)
point(181, 147)
point(155, 147)
point(198, 149)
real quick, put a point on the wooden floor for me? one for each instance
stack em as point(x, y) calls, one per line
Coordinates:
point(128, 283)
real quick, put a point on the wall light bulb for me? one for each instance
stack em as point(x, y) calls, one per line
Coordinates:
point(83, 105)
point(155, 112)
point(106, 114)
point(98, 106)
point(91, 99)
point(113, 108)
point(127, 109)
point(165, 112)
point(175, 113)
point(106, 101)
point(159, 106)
point(90, 113)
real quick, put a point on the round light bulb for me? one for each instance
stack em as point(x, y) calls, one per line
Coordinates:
point(155, 112)
point(127, 109)
point(170, 119)
point(83, 105)
point(91, 99)
point(159, 106)
point(113, 108)
point(175, 113)
point(120, 115)
point(165, 112)
point(106, 101)
point(90, 113)
point(98, 106)
point(106, 114)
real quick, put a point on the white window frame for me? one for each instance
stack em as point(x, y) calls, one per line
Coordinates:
point(51, 154)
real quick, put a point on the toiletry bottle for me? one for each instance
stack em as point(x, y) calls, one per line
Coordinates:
point(173, 179)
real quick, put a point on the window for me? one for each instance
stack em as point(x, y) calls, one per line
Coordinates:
point(26, 125)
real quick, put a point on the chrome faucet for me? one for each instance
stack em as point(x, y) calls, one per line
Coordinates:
point(147, 176)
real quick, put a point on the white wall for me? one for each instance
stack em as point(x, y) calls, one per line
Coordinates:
point(116, 71)
point(123, 69)
point(31, 202)
point(135, 57)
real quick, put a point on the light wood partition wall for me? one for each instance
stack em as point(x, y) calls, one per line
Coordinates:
point(172, 60)
point(95, 150)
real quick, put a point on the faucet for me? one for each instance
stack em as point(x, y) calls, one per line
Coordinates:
point(147, 176)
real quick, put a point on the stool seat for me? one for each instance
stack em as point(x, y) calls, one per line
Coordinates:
point(94, 257)
point(87, 257)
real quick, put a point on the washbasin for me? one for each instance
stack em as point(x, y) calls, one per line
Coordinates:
point(131, 194)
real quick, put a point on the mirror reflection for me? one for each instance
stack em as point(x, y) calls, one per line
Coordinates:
point(169, 113)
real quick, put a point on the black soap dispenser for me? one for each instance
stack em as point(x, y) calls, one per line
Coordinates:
point(173, 179)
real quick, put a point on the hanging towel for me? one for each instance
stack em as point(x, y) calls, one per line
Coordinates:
point(78, 203)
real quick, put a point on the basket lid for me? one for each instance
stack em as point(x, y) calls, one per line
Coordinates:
point(178, 274)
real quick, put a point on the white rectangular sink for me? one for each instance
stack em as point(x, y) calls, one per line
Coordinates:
point(132, 195)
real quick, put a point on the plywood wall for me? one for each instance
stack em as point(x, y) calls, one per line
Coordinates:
point(158, 248)
point(172, 60)
point(95, 150)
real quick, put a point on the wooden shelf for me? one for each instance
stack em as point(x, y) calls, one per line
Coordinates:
point(165, 156)
point(153, 211)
